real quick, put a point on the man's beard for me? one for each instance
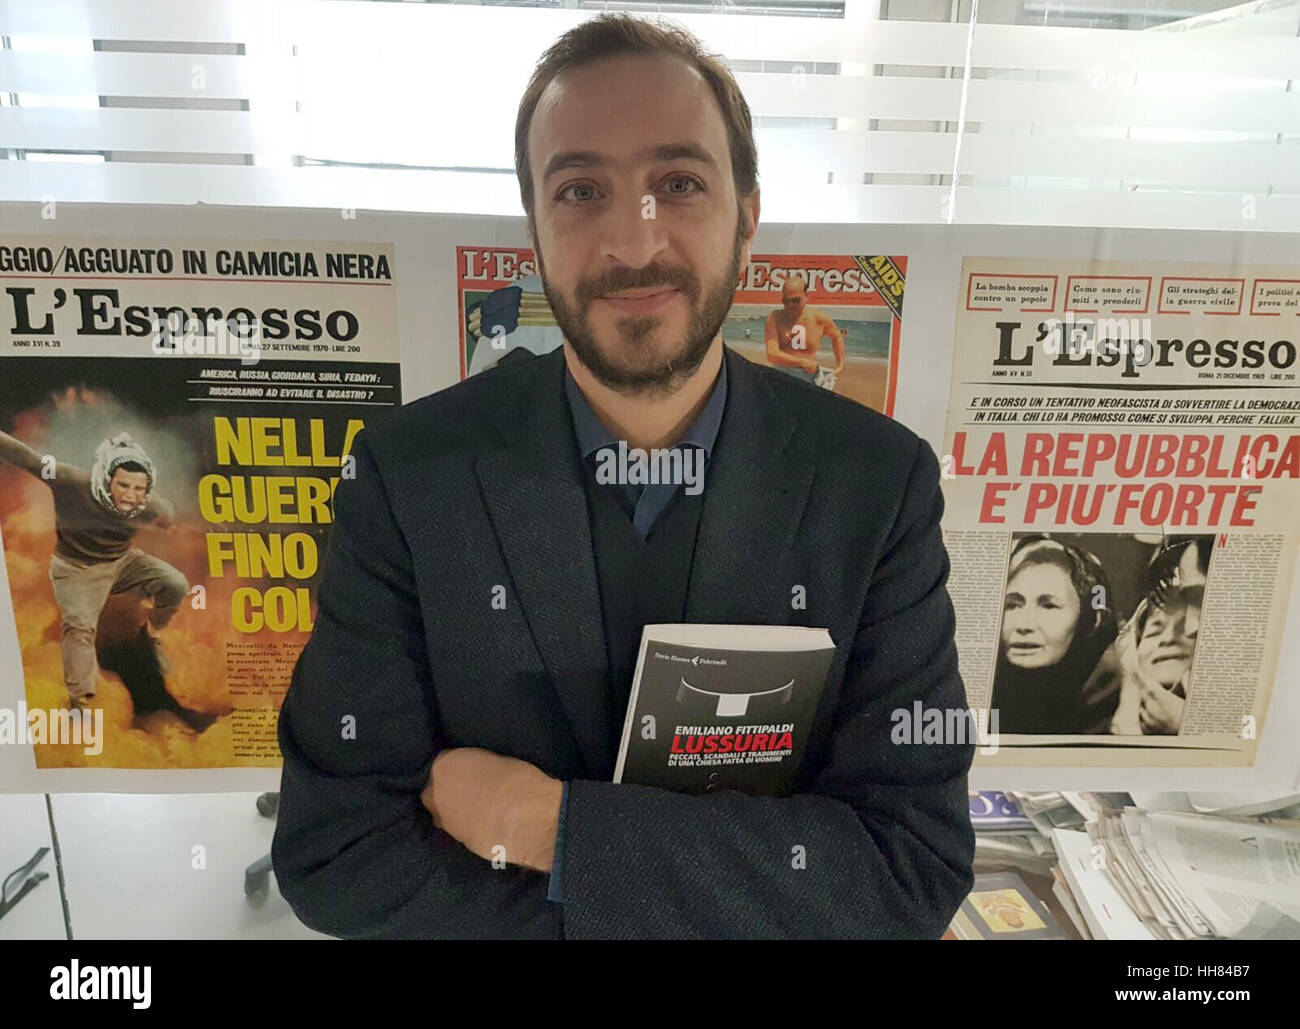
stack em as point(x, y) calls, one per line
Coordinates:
point(636, 332)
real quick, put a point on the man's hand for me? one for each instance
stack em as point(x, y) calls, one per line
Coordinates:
point(485, 800)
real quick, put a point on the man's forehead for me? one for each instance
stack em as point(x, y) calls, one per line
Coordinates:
point(627, 109)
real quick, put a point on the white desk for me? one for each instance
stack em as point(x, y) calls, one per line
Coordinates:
point(129, 864)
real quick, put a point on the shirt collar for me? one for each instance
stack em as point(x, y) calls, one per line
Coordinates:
point(592, 434)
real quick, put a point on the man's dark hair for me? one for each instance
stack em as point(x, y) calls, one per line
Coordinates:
point(131, 466)
point(610, 34)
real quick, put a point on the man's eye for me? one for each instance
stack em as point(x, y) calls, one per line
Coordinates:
point(688, 179)
point(578, 185)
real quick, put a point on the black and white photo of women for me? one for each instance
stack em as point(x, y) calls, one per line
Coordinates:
point(1057, 621)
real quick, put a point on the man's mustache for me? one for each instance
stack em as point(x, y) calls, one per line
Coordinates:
point(688, 284)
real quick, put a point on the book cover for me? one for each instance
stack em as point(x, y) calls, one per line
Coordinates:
point(723, 707)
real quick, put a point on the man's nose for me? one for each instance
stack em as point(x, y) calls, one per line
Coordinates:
point(632, 232)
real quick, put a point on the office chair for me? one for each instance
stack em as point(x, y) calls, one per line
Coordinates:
point(257, 875)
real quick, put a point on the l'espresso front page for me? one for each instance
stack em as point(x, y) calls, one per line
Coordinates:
point(175, 416)
point(1120, 476)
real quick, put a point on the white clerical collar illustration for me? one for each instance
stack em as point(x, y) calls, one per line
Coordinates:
point(732, 704)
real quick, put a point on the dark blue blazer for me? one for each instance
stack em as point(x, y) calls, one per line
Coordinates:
point(477, 487)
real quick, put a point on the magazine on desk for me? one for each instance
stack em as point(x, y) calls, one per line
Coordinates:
point(723, 707)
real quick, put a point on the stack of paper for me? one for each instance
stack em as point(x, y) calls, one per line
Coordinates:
point(1005, 837)
point(1192, 876)
point(1124, 873)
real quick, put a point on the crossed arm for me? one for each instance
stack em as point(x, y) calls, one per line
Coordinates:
point(879, 846)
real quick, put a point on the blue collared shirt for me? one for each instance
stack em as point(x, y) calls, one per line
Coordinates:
point(649, 501)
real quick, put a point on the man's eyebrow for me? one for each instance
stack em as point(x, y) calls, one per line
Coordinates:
point(663, 152)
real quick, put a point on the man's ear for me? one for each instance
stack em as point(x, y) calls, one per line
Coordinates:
point(750, 205)
point(532, 243)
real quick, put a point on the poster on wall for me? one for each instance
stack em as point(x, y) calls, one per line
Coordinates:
point(834, 321)
point(1120, 473)
point(174, 418)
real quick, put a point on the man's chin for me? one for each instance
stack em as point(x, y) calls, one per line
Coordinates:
point(647, 369)
point(643, 379)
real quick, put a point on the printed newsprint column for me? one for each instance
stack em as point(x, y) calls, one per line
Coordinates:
point(834, 320)
point(1120, 473)
point(174, 418)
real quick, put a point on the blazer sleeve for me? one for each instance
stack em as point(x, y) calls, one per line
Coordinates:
point(879, 846)
point(355, 853)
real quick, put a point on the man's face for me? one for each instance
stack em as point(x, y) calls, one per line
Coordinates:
point(793, 299)
point(628, 219)
point(128, 489)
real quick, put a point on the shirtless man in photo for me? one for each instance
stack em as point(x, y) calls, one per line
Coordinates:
point(794, 334)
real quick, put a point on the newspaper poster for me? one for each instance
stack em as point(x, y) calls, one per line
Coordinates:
point(831, 320)
point(174, 418)
point(1120, 477)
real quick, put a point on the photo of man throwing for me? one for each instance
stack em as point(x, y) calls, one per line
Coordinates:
point(97, 515)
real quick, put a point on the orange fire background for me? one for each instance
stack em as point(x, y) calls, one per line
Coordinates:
point(69, 426)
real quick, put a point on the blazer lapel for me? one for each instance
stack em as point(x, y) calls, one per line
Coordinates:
point(756, 484)
point(538, 507)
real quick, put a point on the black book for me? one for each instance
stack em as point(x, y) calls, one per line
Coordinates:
point(723, 707)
